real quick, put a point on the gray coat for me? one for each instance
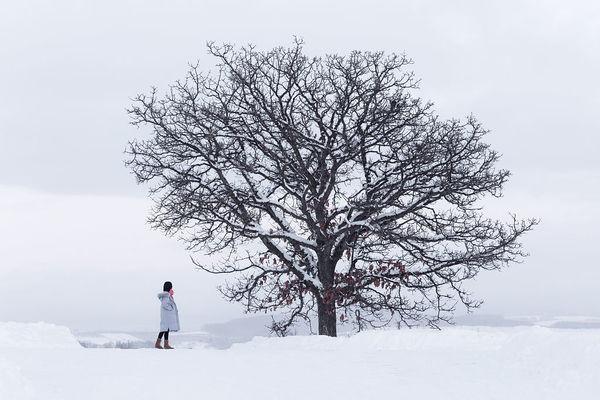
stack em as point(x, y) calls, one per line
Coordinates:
point(169, 316)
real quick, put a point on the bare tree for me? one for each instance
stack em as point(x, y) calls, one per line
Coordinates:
point(325, 185)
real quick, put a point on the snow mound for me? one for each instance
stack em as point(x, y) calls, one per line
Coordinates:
point(39, 335)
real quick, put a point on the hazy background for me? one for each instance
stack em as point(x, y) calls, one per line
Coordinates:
point(74, 247)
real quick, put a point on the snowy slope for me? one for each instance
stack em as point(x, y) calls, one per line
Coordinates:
point(456, 363)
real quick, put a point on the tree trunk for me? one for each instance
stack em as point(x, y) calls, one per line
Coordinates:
point(327, 318)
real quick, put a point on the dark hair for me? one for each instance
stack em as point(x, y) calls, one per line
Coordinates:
point(167, 286)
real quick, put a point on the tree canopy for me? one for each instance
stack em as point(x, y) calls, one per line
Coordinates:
point(325, 185)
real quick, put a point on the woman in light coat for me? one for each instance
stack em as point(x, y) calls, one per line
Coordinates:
point(169, 316)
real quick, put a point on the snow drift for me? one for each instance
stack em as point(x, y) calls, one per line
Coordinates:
point(36, 336)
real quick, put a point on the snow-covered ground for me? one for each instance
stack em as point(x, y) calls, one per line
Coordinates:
point(43, 361)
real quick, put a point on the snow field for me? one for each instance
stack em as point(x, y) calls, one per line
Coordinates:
point(455, 363)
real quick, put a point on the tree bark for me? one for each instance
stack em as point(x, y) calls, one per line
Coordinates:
point(327, 318)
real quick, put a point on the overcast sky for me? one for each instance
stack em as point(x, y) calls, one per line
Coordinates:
point(74, 247)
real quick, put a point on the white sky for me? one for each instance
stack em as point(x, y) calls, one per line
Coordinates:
point(74, 248)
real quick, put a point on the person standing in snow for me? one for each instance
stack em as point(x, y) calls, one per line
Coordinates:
point(169, 316)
